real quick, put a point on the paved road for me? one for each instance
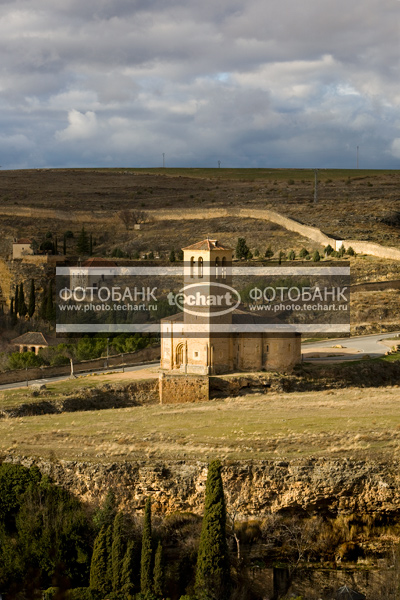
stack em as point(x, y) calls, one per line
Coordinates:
point(366, 344)
point(9, 386)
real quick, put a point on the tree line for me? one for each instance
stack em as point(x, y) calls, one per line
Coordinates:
point(51, 547)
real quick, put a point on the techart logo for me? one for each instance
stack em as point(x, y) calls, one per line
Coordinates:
point(194, 298)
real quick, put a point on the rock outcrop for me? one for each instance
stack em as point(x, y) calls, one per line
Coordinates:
point(253, 488)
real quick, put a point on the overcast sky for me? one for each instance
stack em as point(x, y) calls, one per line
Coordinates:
point(251, 83)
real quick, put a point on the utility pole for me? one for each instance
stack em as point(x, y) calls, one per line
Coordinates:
point(219, 164)
point(357, 157)
point(315, 186)
point(163, 160)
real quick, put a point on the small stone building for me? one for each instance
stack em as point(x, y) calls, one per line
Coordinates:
point(202, 339)
point(22, 247)
point(32, 341)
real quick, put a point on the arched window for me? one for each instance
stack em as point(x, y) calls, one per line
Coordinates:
point(200, 267)
point(223, 270)
point(216, 268)
point(192, 267)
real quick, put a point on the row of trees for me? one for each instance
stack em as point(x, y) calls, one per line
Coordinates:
point(46, 538)
point(243, 252)
point(20, 307)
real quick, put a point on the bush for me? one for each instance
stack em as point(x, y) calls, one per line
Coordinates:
point(50, 594)
point(23, 360)
point(304, 253)
point(350, 251)
point(316, 256)
point(82, 593)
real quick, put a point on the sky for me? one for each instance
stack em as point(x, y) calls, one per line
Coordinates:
point(250, 83)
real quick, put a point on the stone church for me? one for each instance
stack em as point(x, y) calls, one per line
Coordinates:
point(202, 338)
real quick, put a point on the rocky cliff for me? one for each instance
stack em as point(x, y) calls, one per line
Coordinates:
point(253, 489)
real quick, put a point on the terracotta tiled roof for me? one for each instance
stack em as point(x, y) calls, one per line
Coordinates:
point(31, 338)
point(23, 241)
point(98, 262)
point(207, 245)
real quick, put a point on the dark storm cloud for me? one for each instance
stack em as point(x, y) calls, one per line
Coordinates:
point(249, 83)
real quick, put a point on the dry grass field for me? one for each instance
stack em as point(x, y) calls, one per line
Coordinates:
point(351, 204)
point(362, 423)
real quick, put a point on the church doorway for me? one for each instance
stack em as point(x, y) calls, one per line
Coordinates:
point(179, 356)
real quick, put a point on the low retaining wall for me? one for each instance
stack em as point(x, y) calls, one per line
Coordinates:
point(146, 355)
point(176, 389)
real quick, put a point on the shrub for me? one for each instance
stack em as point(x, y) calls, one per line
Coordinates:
point(303, 253)
point(316, 256)
point(350, 251)
point(23, 360)
point(51, 593)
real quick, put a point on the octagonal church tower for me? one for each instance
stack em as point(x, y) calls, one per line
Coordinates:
point(198, 340)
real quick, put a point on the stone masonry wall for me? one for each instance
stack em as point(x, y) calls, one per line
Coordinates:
point(175, 389)
point(145, 355)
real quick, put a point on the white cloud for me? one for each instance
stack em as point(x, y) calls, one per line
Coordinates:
point(81, 126)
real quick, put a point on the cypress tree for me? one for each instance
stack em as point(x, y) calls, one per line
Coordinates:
point(90, 245)
point(172, 257)
point(83, 242)
point(109, 571)
point(128, 569)
point(106, 514)
point(99, 563)
point(212, 572)
point(22, 309)
point(43, 305)
point(65, 245)
point(159, 575)
point(32, 300)
point(50, 312)
point(117, 551)
point(16, 300)
point(242, 249)
point(146, 561)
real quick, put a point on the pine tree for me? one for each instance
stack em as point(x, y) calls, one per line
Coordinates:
point(292, 255)
point(117, 551)
point(32, 300)
point(22, 309)
point(212, 572)
point(172, 257)
point(159, 575)
point(82, 245)
point(99, 564)
point(146, 561)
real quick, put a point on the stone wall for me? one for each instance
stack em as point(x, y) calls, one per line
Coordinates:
point(132, 358)
point(175, 389)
